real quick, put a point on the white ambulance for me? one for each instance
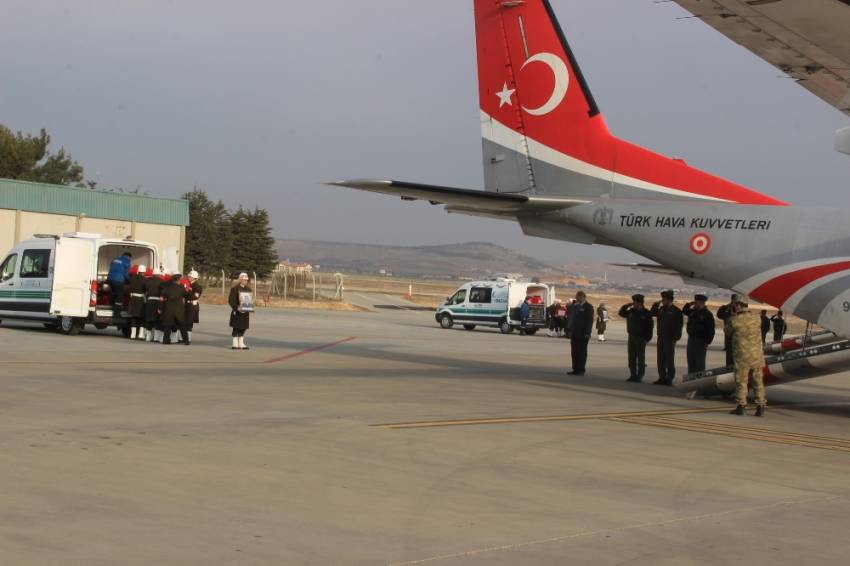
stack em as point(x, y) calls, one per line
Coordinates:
point(496, 303)
point(61, 280)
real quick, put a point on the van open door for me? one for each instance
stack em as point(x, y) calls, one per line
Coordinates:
point(72, 274)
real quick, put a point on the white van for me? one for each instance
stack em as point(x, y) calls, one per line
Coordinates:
point(496, 303)
point(60, 280)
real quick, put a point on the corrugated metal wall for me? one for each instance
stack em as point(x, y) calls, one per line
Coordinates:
point(57, 199)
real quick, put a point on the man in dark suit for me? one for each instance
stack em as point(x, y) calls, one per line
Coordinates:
point(582, 317)
point(640, 326)
point(670, 324)
point(701, 329)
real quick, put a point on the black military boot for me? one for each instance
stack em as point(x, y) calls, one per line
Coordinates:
point(760, 411)
point(739, 410)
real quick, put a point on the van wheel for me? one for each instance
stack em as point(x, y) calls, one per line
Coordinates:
point(505, 326)
point(100, 325)
point(531, 331)
point(469, 327)
point(446, 321)
point(70, 325)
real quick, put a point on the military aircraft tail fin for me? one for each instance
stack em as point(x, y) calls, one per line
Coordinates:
point(542, 131)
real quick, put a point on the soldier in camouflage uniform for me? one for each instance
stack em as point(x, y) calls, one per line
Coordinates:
point(748, 354)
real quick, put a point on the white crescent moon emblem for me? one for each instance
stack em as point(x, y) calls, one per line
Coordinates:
point(562, 82)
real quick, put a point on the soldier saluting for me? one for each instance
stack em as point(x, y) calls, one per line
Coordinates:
point(639, 325)
point(700, 332)
point(670, 323)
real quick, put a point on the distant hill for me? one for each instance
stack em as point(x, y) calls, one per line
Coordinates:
point(471, 259)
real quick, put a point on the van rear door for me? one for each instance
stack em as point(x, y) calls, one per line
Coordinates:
point(72, 274)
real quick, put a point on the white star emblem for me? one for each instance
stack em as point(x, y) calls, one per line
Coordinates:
point(505, 95)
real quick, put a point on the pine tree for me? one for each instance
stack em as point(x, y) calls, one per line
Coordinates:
point(208, 237)
point(241, 243)
point(263, 255)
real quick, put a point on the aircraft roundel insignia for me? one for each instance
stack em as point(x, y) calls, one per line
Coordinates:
point(700, 243)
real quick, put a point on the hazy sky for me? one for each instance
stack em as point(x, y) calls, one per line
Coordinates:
point(257, 102)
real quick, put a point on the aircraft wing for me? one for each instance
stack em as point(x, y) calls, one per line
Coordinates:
point(689, 279)
point(464, 201)
point(807, 40)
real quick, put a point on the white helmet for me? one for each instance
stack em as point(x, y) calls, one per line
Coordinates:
point(193, 275)
point(142, 268)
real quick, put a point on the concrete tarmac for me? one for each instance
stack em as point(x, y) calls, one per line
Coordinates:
point(378, 438)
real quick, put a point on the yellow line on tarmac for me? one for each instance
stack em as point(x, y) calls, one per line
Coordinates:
point(549, 418)
point(776, 437)
point(760, 431)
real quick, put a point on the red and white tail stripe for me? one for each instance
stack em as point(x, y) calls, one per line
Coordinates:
point(535, 102)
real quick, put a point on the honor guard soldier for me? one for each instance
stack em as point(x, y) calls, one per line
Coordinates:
point(136, 306)
point(173, 309)
point(670, 323)
point(581, 327)
point(748, 354)
point(601, 321)
point(153, 291)
point(241, 301)
point(639, 325)
point(193, 307)
point(700, 332)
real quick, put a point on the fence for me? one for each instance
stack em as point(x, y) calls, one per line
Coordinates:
point(285, 283)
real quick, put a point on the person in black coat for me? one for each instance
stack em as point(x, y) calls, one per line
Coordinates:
point(136, 304)
point(670, 324)
point(153, 292)
point(780, 327)
point(726, 313)
point(701, 328)
point(639, 326)
point(193, 307)
point(241, 301)
point(173, 309)
point(581, 319)
point(765, 326)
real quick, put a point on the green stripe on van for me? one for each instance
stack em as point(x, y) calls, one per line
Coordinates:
point(23, 294)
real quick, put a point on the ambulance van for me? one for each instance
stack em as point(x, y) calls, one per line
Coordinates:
point(60, 281)
point(496, 303)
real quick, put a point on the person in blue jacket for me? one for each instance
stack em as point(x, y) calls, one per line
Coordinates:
point(524, 311)
point(118, 276)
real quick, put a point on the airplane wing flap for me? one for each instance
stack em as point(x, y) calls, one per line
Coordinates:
point(467, 201)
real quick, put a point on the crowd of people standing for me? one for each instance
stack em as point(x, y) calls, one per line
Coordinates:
point(744, 331)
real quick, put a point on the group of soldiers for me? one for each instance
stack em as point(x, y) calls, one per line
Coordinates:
point(743, 330)
point(161, 304)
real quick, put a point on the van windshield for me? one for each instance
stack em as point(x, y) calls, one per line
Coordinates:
point(7, 270)
point(458, 297)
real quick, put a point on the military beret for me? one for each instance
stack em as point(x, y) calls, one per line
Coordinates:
point(667, 295)
point(638, 298)
point(701, 298)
